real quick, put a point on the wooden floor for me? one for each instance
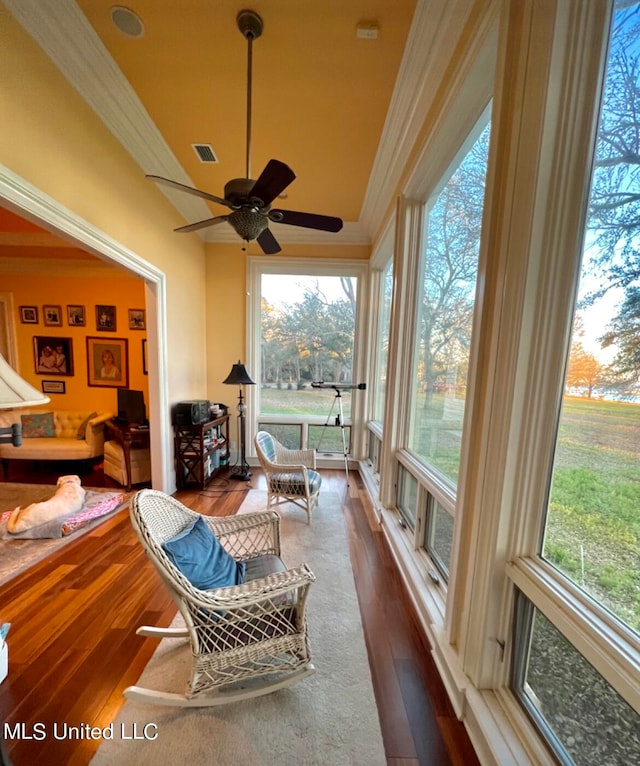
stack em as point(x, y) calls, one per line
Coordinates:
point(73, 647)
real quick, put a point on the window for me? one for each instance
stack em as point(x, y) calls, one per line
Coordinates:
point(439, 537)
point(303, 319)
point(592, 530)
point(382, 349)
point(451, 243)
point(579, 714)
point(407, 499)
point(307, 335)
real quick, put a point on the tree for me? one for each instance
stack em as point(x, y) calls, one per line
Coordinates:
point(624, 332)
point(614, 209)
point(584, 369)
point(451, 262)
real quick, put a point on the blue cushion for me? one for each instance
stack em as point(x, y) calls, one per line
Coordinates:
point(265, 441)
point(198, 554)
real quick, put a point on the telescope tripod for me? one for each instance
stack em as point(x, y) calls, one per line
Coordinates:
point(338, 421)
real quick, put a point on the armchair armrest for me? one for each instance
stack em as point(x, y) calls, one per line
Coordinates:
point(264, 589)
point(94, 434)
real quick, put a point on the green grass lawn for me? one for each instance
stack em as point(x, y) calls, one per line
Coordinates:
point(593, 527)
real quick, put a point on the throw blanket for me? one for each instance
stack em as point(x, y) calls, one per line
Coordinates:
point(96, 504)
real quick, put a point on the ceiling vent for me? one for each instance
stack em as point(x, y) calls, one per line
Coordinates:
point(205, 152)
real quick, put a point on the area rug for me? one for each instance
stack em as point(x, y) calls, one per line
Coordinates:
point(328, 718)
point(18, 554)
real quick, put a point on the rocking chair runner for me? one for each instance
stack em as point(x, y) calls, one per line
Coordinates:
point(291, 475)
point(240, 633)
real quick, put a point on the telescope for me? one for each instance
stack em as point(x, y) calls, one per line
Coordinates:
point(337, 386)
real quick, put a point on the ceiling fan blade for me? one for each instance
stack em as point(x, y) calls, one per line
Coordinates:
point(307, 220)
point(202, 224)
point(268, 243)
point(273, 180)
point(188, 189)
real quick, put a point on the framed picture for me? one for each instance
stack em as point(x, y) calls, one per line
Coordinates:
point(137, 320)
point(145, 365)
point(52, 316)
point(54, 387)
point(76, 316)
point(106, 318)
point(107, 362)
point(52, 355)
point(29, 314)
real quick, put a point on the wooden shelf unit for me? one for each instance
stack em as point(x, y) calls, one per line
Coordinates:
point(199, 450)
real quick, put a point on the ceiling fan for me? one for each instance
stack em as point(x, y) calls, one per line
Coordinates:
point(249, 200)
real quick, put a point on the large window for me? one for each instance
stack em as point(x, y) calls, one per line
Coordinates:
point(307, 336)
point(451, 243)
point(575, 667)
point(592, 531)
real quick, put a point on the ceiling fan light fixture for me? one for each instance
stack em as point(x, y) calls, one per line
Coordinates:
point(248, 224)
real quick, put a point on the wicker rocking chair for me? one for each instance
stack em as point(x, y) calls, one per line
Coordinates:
point(291, 475)
point(246, 640)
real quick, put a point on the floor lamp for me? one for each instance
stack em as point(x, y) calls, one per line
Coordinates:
point(240, 377)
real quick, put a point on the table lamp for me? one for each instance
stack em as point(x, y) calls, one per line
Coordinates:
point(240, 377)
point(15, 392)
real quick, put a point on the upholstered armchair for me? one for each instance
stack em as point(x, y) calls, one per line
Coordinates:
point(290, 474)
point(244, 611)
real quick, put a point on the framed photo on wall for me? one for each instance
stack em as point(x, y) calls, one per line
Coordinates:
point(108, 362)
point(52, 316)
point(76, 316)
point(54, 387)
point(137, 319)
point(106, 318)
point(52, 355)
point(29, 314)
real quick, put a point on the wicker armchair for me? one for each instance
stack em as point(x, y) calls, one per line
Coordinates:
point(246, 640)
point(291, 475)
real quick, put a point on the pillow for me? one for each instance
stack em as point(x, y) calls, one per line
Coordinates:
point(82, 428)
point(38, 426)
point(198, 554)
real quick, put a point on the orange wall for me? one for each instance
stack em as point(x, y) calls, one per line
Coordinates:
point(120, 291)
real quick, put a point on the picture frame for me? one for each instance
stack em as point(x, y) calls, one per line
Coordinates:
point(106, 318)
point(145, 363)
point(53, 355)
point(29, 314)
point(137, 319)
point(76, 316)
point(52, 316)
point(54, 387)
point(107, 362)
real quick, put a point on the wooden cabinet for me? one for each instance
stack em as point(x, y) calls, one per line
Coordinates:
point(201, 451)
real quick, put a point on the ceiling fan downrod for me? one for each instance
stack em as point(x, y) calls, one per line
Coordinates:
point(251, 26)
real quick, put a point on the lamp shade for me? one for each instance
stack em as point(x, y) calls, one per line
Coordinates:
point(238, 376)
point(16, 392)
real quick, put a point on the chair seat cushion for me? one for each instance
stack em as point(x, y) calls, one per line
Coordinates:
point(293, 483)
point(198, 554)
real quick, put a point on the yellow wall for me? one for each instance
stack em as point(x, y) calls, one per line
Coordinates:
point(54, 141)
point(123, 292)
